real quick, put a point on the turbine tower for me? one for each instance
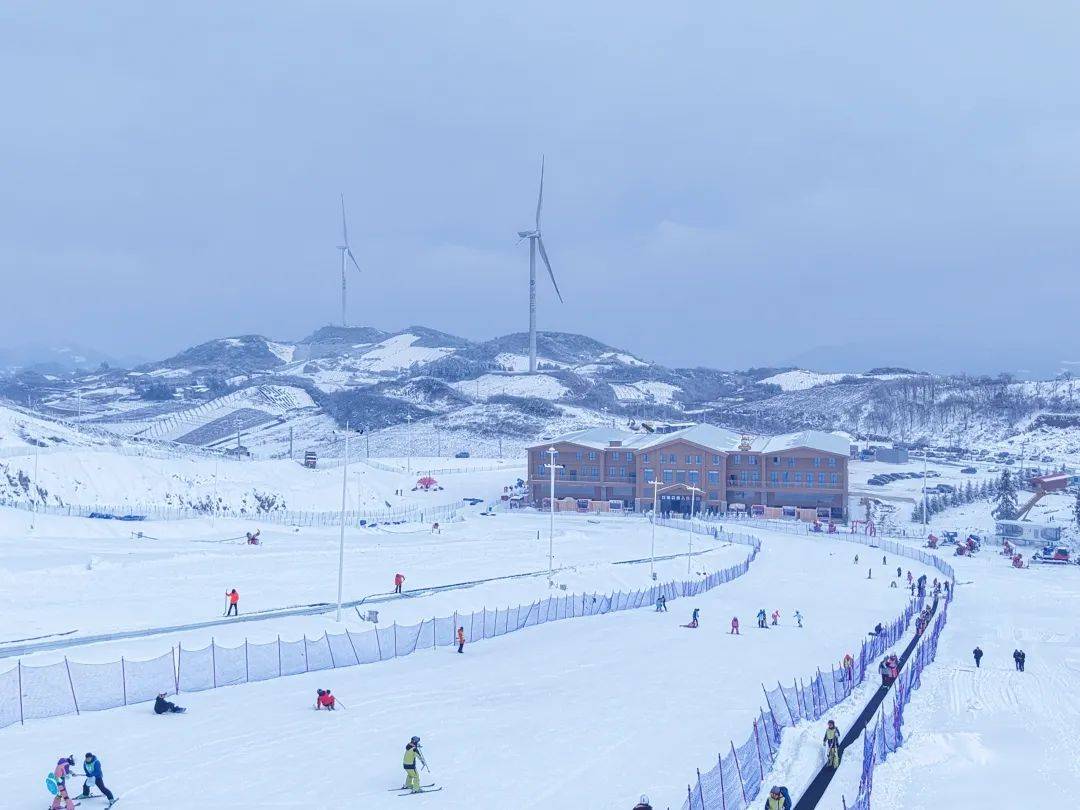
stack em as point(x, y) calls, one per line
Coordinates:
point(536, 241)
point(346, 256)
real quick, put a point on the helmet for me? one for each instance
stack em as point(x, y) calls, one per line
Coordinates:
point(415, 740)
point(89, 755)
point(70, 759)
point(644, 799)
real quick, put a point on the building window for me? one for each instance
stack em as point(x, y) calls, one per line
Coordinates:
point(736, 459)
point(669, 477)
point(791, 461)
point(695, 477)
point(742, 477)
point(776, 459)
point(832, 461)
point(773, 477)
point(622, 472)
point(834, 478)
point(821, 478)
point(751, 460)
point(615, 455)
point(680, 476)
point(688, 458)
point(592, 455)
point(716, 458)
point(649, 476)
point(645, 458)
point(817, 461)
point(573, 474)
point(629, 456)
point(784, 477)
point(755, 477)
point(577, 455)
point(714, 477)
point(611, 471)
point(798, 477)
point(697, 459)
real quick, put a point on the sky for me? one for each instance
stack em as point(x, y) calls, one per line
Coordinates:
point(833, 184)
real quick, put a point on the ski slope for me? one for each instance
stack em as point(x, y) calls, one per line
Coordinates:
point(585, 713)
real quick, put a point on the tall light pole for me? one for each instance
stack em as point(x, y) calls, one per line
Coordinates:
point(924, 490)
point(341, 542)
point(690, 549)
point(552, 452)
point(652, 545)
point(408, 443)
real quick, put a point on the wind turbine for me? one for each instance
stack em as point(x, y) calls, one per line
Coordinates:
point(537, 241)
point(346, 253)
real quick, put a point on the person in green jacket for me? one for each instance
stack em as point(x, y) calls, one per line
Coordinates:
point(412, 753)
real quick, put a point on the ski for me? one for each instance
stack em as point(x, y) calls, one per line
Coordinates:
point(430, 784)
point(422, 790)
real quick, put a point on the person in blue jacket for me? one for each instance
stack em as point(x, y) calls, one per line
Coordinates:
point(778, 799)
point(92, 769)
point(694, 618)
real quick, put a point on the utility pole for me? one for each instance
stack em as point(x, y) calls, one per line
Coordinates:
point(690, 549)
point(552, 452)
point(652, 545)
point(924, 516)
point(341, 542)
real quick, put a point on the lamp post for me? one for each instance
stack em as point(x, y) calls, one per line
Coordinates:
point(552, 452)
point(924, 490)
point(341, 542)
point(408, 444)
point(690, 548)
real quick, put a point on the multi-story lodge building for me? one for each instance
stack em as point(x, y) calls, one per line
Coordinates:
point(805, 470)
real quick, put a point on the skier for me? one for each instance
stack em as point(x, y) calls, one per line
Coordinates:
point(643, 803)
point(398, 580)
point(412, 753)
point(899, 572)
point(56, 785)
point(435, 528)
point(661, 604)
point(869, 573)
point(775, 617)
point(884, 560)
point(253, 539)
point(977, 654)
point(734, 626)
point(912, 588)
point(163, 706)
point(92, 769)
point(799, 617)
point(461, 639)
point(234, 602)
point(856, 559)
point(778, 799)
point(910, 578)
point(832, 744)
point(324, 700)
point(761, 619)
point(694, 618)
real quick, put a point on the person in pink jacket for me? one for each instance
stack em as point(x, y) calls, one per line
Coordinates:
point(734, 626)
point(56, 780)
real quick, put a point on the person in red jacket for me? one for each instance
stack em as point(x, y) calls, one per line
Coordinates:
point(461, 639)
point(234, 602)
point(398, 580)
point(325, 700)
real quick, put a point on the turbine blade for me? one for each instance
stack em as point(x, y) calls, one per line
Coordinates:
point(352, 258)
point(547, 264)
point(344, 227)
point(540, 198)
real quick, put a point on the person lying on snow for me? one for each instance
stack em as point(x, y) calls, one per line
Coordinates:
point(163, 706)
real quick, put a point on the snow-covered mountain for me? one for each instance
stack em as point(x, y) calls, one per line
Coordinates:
point(420, 390)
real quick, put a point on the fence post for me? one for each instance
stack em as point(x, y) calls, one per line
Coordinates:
point(757, 745)
point(395, 640)
point(247, 669)
point(123, 677)
point(176, 670)
point(21, 721)
point(305, 654)
point(700, 791)
point(723, 789)
point(330, 649)
point(213, 660)
point(738, 770)
point(378, 642)
point(348, 635)
point(74, 699)
point(799, 701)
point(495, 629)
point(279, 655)
point(434, 635)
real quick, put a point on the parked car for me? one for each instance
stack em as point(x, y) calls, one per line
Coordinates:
point(969, 470)
point(461, 454)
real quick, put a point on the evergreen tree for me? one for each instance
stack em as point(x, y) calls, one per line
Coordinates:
point(969, 492)
point(1005, 507)
point(917, 513)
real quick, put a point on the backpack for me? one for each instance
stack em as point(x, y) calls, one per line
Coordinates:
point(52, 784)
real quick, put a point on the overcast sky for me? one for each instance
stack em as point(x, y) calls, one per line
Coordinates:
point(729, 184)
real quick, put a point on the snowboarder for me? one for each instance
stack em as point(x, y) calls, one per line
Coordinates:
point(856, 559)
point(761, 619)
point(977, 654)
point(775, 617)
point(884, 560)
point(325, 700)
point(234, 602)
point(778, 799)
point(643, 804)
point(899, 572)
point(694, 618)
point(661, 604)
point(435, 528)
point(734, 626)
point(832, 744)
point(163, 706)
point(798, 617)
point(910, 578)
point(398, 580)
point(412, 753)
point(56, 784)
point(92, 769)
point(461, 639)
point(253, 539)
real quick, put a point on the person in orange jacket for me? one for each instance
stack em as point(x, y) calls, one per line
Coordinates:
point(461, 639)
point(234, 602)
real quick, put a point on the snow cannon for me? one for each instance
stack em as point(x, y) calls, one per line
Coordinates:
point(1018, 561)
point(931, 541)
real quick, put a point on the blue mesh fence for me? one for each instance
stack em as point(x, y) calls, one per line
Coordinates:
point(30, 692)
point(737, 778)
